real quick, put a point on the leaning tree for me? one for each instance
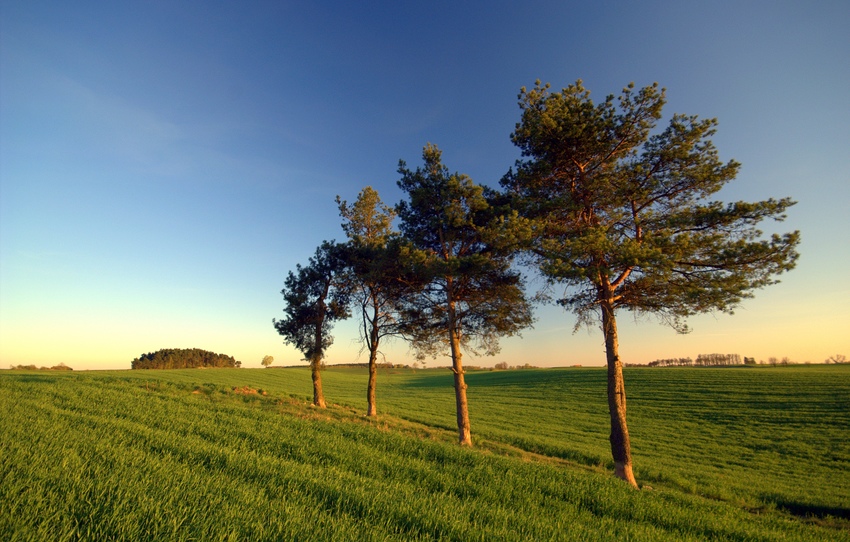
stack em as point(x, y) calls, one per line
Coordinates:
point(315, 297)
point(621, 216)
point(468, 295)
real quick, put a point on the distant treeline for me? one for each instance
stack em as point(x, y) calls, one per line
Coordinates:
point(704, 360)
point(183, 358)
point(60, 367)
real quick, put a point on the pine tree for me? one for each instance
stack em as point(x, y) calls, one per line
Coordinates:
point(621, 216)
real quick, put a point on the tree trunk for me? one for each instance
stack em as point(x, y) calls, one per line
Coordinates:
point(372, 409)
point(318, 350)
point(374, 341)
point(371, 329)
point(620, 445)
point(463, 427)
point(318, 395)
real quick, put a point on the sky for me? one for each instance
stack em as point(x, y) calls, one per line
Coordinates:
point(164, 164)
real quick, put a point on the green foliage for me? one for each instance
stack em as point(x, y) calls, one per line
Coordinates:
point(314, 300)
point(468, 288)
point(743, 454)
point(183, 358)
point(367, 222)
point(620, 212)
point(373, 266)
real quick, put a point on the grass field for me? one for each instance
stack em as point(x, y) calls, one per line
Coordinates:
point(730, 454)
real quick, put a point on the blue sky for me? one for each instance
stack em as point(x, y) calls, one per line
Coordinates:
point(164, 164)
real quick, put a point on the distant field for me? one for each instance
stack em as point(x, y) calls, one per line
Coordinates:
point(730, 454)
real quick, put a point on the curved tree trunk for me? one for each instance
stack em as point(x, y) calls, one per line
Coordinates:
point(620, 445)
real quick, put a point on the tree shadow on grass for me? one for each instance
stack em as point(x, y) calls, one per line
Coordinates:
point(833, 516)
point(809, 510)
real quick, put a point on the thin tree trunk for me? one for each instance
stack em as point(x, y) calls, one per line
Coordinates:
point(374, 340)
point(372, 409)
point(620, 445)
point(318, 395)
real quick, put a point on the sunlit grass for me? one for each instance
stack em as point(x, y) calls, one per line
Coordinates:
point(179, 455)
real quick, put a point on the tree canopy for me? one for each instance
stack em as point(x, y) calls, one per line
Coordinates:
point(183, 358)
point(614, 205)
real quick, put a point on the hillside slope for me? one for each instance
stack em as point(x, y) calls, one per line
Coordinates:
point(238, 454)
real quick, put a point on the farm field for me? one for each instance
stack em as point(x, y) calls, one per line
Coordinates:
point(238, 454)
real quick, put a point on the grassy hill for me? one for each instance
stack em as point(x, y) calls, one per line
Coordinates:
point(238, 454)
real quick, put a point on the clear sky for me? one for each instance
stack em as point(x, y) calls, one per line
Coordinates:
point(163, 164)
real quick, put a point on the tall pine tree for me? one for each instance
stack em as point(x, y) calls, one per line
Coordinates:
point(622, 217)
point(468, 295)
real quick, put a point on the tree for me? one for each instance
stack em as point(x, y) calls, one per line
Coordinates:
point(376, 284)
point(314, 300)
point(620, 216)
point(183, 358)
point(468, 295)
point(267, 361)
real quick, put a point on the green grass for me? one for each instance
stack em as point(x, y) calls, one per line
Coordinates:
point(731, 454)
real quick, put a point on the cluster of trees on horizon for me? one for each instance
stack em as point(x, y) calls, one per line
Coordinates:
point(59, 367)
point(183, 358)
point(720, 360)
point(611, 213)
point(704, 360)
